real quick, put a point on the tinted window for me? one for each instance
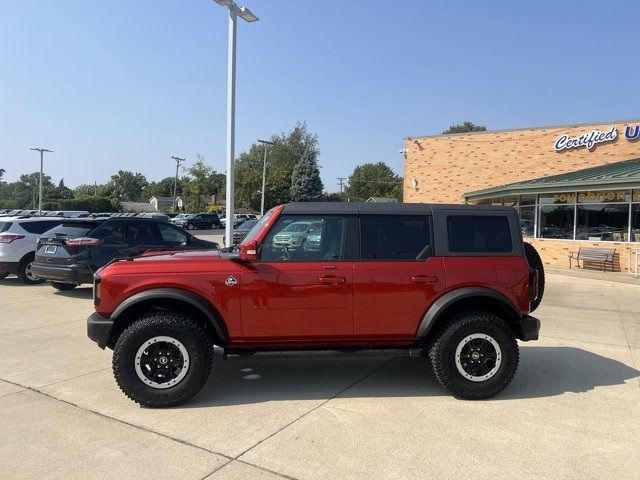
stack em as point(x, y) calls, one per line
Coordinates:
point(4, 226)
point(143, 233)
point(172, 235)
point(111, 231)
point(71, 230)
point(304, 238)
point(476, 233)
point(394, 237)
point(38, 227)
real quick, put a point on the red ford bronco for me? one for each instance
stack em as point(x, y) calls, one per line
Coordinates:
point(454, 281)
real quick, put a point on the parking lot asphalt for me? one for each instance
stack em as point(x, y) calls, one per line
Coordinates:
point(572, 411)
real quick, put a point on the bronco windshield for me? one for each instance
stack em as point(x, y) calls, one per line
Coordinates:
point(257, 227)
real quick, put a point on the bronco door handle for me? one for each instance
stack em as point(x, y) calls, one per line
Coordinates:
point(330, 280)
point(424, 279)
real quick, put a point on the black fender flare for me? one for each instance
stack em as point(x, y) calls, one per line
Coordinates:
point(449, 298)
point(191, 298)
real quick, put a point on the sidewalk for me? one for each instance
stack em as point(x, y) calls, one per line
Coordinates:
point(617, 277)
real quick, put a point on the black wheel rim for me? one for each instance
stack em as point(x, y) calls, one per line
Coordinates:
point(478, 357)
point(162, 362)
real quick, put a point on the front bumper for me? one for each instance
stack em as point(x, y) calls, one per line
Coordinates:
point(63, 273)
point(99, 329)
point(529, 328)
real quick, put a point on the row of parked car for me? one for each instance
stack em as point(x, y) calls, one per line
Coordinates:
point(209, 220)
point(67, 251)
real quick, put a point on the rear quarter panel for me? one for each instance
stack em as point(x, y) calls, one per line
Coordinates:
point(507, 275)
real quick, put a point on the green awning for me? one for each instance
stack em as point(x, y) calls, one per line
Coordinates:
point(619, 175)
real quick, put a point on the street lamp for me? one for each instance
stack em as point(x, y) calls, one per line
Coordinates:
point(41, 150)
point(264, 173)
point(248, 16)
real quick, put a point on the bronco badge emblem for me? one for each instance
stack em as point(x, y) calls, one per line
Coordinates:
point(230, 281)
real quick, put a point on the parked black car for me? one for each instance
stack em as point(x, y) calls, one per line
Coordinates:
point(199, 220)
point(69, 254)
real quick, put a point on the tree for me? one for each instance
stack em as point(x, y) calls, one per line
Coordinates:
point(128, 185)
point(287, 150)
point(332, 197)
point(164, 188)
point(204, 181)
point(306, 185)
point(2, 171)
point(373, 180)
point(465, 127)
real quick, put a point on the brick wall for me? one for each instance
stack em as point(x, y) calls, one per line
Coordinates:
point(447, 166)
point(556, 252)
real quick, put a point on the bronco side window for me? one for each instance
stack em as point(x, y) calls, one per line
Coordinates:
point(394, 237)
point(479, 234)
point(302, 238)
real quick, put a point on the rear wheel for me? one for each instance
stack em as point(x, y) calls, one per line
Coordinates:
point(63, 286)
point(474, 355)
point(162, 359)
point(535, 262)
point(189, 226)
point(25, 274)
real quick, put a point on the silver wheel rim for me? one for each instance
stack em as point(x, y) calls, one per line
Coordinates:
point(463, 356)
point(145, 368)
point(28, 273)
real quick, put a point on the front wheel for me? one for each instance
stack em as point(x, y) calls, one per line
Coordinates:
point(162, 359)
point(189, 226)
point(474, 355)
point(63, 286)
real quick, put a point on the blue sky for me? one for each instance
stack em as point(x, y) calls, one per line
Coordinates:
point(123, 84)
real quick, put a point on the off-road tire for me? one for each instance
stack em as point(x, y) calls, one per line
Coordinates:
point(23, 271)
point(442, 352)
point(535, 262)
point(162, 323)
point(63, 286)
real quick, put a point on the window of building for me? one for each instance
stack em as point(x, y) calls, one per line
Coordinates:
point(394, 237)
point(556, 221)
point(527, 220)
point(603, 222)
point(635, 221)
point(474, 233)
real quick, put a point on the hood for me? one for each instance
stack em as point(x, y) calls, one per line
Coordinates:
point(170, 261)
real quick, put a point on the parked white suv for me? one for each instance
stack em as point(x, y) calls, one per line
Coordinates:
point(18, 237)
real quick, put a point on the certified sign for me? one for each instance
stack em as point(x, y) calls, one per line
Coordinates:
point(589, 139)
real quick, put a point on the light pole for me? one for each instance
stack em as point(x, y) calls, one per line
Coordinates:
point(175, 182)
point(264, 173)
point(234, 12)
point(41, 150)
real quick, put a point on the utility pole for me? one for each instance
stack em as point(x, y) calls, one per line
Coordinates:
point(341, 181)
point(41, 150)
point(264, 173)
point(95, 188)
point(175, 182)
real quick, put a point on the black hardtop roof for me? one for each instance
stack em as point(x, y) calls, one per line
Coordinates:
point(355, 208)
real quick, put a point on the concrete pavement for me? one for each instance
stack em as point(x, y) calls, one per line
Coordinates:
point(572, 411)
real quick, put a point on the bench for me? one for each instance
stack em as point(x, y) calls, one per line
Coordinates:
point(600, 256)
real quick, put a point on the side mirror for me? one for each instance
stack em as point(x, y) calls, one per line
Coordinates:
point(249, 251)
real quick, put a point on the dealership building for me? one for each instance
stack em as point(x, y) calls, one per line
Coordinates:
point(574, 185)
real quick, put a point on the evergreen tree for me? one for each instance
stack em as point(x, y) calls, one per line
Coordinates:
point(306, 185)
